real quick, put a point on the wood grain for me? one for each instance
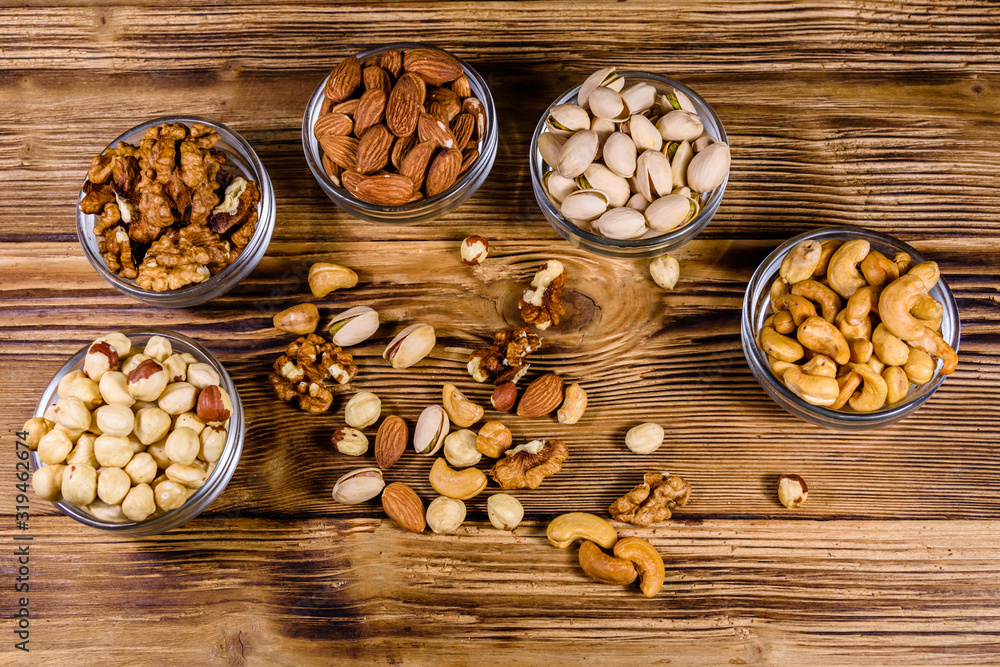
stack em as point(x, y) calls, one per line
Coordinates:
point(867, 112)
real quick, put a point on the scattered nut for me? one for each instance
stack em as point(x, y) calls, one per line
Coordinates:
point(350, 441)
point(505, 360)
point(410, 346)
point(541, 306)
point(574, 404)
point(353, 326)
point(792, 491)
point(541, 397)
point(445, 515)
point(404, 506)
point(665, 271)
point(430, 431)
point(527, 466)
point(652, 501)
point(474, 250)
point(567, 528)
point(358, 486)
point(325, 278)
point(604, 568)
point(463, 412)
point(461, 484)
point(460, 449)
point(362, 410)
point(309, 366)
point(505, 511)
point(647, 561)
point(299, 319)
point(504, 397)
point(644, 438)
point(494, 439)
point(390, 441)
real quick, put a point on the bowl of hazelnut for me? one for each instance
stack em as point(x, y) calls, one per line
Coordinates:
point(176, 211)
point(137, 433)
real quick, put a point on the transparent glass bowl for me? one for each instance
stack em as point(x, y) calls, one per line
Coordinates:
point(632, 248)
point(756, 308)
point(240, 159)
point(417, 211)
point(217, 481)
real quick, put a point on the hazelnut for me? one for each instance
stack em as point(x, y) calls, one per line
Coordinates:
point(189, 420)
point(132, 362)
point(350, 441)
point(190, 476)
point(644, 438)
point(115, 419)
point(169, 495)
point(47, 482)
point(460, 449)
point(54, 447)
point(147, 381)
point(63, 388)
point(34, 429)
point(158, 348)
point(475, 250)
point(665, 271)
point(300, 319)
point(139, 504)
point(119, 341)
point(151, 424)
point(494, 439)
point(505, 511)
point(101, 358)
point(182, 446)
point(176, 367)
point(87, 391)
point(114, 389)
point(178, 398)
point(792, 491)
point(362, 410)
point(213, 442)
point(84, 451)
point(112, 485)
point(214, 406)
point(141, 469)
point(504, 397)
point(72, 414)
point(202, 375)
point(79, 484)
point(112, 451)
point(445, 515)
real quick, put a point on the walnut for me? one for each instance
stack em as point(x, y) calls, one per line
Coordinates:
point(95, 198)
point(241, 237)
point(304, 370)
point(155, 278)
point(651, 501)
point(116, 249)
point(542, 305)
point(505, 359)
point(526, 466)
point(239, 205)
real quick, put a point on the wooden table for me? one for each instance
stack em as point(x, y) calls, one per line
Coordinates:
point(874, 113)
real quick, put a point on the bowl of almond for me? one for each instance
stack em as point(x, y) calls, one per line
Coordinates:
point(400, 133)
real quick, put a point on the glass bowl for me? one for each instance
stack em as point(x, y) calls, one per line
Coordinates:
point(426, 209)
point(756, 307)
point(217, 480)
point(630, 248)
point(241, 160)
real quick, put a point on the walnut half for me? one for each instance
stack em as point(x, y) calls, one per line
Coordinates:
point(653, 500)
point(541, 306)
point(527, 466)
point(304, 371)
point(505, 360)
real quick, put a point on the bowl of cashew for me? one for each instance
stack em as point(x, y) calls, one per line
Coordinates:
point(848, 328)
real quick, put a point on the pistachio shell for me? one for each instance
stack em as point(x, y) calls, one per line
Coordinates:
point(577, 153)
point(679, 164)
point(558, 187)
point(644, 134)
point(602, 77)
point(604, 128)
point(675, 99)
point(638, 202)
point(565, 119)
point(431, 429)
point(353, 326)
point(621, 223)
point(584, 205)
point(620, 154)
point(410, 346)
point(653, 177)
point(680, 125)
point(358, 486)
point(709, 168)
point(639, 96)
point(702, 142)
point(599, 177)
point(606, 103)
point(670, 212)
point(686, 191)
point(549, 145)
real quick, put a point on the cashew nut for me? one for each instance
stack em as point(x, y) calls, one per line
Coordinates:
point(903, 262)
point(814, 389)
point(799, 307)
point(460, 484)
point(463, 412)
point(604, 568)
point(863, 330)
point(897, 383)
point(919, 366)
point(819, 293)
point(780, 347)
point(861, 350)
point(861, 304)
point(928, 273)
point(820, 336)
point(820, 365)
point(876, 364)
point(783, 322)
point(890, 349)
point(895, 303)
point(932, 343)
point(878, 269)
point(778, 287)
point(828, 248)
point(842, 272)
point(927, 309)
point(778, 367)
point(647, 561)
point(567, 528)
point(847, 383)
point(801, 262)
point(873, 390)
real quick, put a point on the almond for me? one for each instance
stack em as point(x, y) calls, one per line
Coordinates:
point(443, 171)
point(504, 397)
point(461, 87)
point(333, 123)
point(478, 111)
point(435, 66)
point(430, 128)
point(541, 397)
point(390, 441)
point(445, 102)
point(462, 128)
point(347, 108)
point(469, 158)
point(400, 149)
point(341, 149)
point(343, 80)
point(332, 170)
point(385, 190)
point(414, 165)
point(403, 107)
point(376, 78)
point(404, 506)
point(392, 62)
point(371, 110)
point(373, 149)
point(351, 180)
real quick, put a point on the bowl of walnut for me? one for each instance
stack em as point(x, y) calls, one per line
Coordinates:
point(176, 211)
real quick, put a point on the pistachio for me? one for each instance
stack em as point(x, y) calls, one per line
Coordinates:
point(358, 486)
point(565, 119)
point(702, 142)
point(653, 177)
point(584, 205)
point(644, 134)
point(606, 103)
point(557, 186)
point(604, 128)
point(577, 153)
point(620, 154)
point(679, 164)
point(639, 96)
point(549, 145)
point(621, 223)
point(431, 430)
point(709, 168)
point(410, 346)
point(602, 77)
point(599, 177)
point(638, 202)
point(353, 326)
point(675, 99)
point(680, 125)
point(670, 212)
